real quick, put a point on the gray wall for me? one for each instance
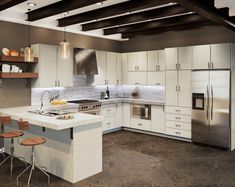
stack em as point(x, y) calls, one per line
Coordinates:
point(175, 39)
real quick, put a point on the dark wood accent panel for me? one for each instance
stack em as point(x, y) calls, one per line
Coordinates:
point(190, 26)
point(59, 7)
point(5, 4)
point(17, 59)
point(18, 75)
point(168, 22)
point(112, 10)
point(150, 14)
point(211, 13)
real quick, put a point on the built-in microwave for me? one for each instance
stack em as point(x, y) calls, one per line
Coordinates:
point(141, 111)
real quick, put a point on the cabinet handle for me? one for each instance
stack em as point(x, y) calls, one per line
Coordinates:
point(176, 66)
point(178, 110)
point(177, 133)
point(178, 118)
point(177, 125)
point(212, 65)
point(179, 88)
point(156, 67)
point(55, 83)
point(139, 124)
point(158, 84)
point(137, 83)
point(159, 68)
point(138, 68)
point(209, 65)
point(59, 83)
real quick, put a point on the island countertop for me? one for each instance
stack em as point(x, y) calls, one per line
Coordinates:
point(80, 119)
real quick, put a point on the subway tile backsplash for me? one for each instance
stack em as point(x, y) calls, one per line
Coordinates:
point(83, 89)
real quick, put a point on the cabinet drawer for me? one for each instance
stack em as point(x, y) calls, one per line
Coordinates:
point(108, 123)
point(178, 132)
point(178, 125)
point(178, 118)
point(141, 124)
point(179, 110)
point(108, 110)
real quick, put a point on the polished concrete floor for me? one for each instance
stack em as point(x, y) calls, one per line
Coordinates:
point(137, 160)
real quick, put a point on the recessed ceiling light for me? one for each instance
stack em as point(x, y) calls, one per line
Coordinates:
point(100, 3)
point(31, 4)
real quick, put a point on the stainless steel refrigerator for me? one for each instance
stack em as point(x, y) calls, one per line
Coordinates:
point(211, 107)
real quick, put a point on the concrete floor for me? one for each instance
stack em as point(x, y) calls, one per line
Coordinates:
point(137, 160)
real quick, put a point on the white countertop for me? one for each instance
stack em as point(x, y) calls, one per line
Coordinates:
point(80, 119)
point(132, 100)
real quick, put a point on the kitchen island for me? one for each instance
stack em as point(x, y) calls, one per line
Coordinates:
point(73, 150)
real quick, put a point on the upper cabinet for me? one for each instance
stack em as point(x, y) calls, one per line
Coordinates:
point(119, 68)
point(178, 58)
point(107, 68)
point(216, 56)
point(137, 61)
point(156, 60)
point(53, 71)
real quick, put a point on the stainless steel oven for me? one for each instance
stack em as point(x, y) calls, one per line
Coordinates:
point(141, 111)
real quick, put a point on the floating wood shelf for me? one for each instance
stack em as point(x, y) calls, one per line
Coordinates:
point(16, 59)
point(18, 75)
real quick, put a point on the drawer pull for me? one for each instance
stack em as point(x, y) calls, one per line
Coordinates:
point(178, 133)
point(178, 118)
point(139, 124)
point(177, 125)
point(178, 110)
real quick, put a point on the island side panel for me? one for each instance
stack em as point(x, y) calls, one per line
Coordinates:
point(87, 144)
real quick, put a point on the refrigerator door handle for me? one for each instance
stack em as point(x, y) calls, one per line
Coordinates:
point(212, 102)
point(208, 102)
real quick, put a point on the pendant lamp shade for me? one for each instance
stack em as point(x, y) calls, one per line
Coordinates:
point(65, 49)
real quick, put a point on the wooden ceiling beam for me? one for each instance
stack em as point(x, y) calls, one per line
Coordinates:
point(59, 7)
point(136, 17)
point(210, 13)
point(5, 4)
point(168, 22)
point(113, 10)
point(189, 26)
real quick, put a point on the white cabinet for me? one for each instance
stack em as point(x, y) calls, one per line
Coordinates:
point(137, 78)
point(156, 78)
point(216, 56)
point(119, 69)
point(171, 87)
point(53, 71)
point(156, 60)
point(126, 109)
point(178, 58)
point(109, 114)
point(137, 61)
point(107, 68)
point(178, 88)
point(158, 119)
point(124, 68)
point(141, 124)
point(118, 115)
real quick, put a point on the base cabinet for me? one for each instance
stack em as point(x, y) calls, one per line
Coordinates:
point(158, 119)
point(126, 114)
point(141, 124)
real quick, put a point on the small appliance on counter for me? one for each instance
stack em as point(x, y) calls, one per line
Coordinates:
point(135, 92)
point(107, 93)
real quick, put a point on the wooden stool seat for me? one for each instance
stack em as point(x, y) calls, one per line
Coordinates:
point(5, 120)
point(33, 141)
point(11, 134)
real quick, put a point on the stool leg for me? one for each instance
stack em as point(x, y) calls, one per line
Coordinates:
point(2, 152)
point(48, 176)
point(5, 160)
point(33, 165)
point(12, 155)
point(17, 178)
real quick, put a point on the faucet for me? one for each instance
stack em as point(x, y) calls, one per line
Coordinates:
point(42, 95)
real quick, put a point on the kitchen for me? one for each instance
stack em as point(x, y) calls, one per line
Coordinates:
point(153, 96)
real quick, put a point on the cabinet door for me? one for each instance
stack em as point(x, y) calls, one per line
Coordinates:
point(220, 56)
point(156, 78)
point(119, 118)
point(124, 68)
point(132, 61)
point(171, 83)
point(142, 61)
point(171, 58)
point(201, 56)
point(162, 60)
point(119, 69)
point(137, 78)
point(47, 66)
point(126, 114)
point(185, 57)
point(185, 91)
point(153, 60)
point(158, 119)
point(101, 63)
point(111, 69)
point(65, 70)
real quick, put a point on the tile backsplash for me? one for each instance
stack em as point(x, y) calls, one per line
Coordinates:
point(83, 89)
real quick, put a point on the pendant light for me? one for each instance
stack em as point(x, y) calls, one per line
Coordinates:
point(28, 52)
point(65, 46)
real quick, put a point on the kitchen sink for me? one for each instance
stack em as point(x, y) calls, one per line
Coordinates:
point(50, 113)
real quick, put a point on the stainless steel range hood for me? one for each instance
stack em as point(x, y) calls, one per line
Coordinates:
point(85, 62)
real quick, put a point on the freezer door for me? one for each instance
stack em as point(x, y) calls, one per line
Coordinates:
point(200, 108)
point(220, 108)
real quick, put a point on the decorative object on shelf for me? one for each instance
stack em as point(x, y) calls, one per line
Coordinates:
point(65, 46)
point(135, 92)
point(14, 52)
point(6, 51)
point(28, 53)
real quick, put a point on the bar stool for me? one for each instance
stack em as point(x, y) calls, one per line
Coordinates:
point(31, 142)
point(6, 120)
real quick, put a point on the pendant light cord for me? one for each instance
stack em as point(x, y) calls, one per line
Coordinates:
point(64, 29)
point(29, 32)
